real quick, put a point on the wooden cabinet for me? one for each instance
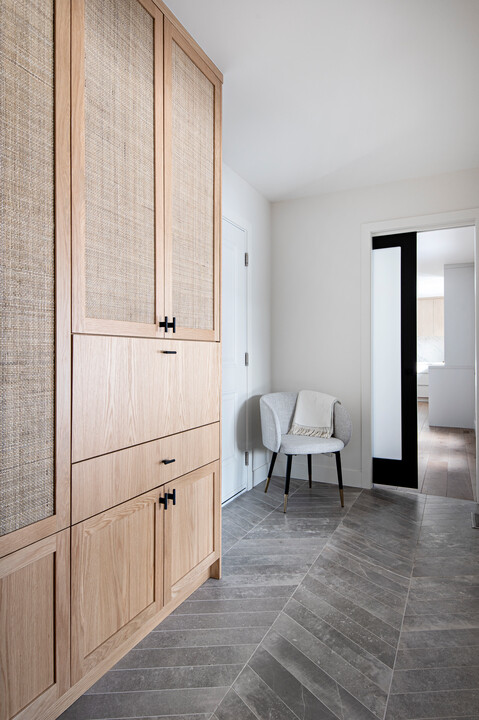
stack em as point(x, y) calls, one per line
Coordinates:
point(34, 627)
point(192, 189)
point(131, 560)
point(108, 480)
point(117, 166)
point(192, 529)
point(117, 583)
point(130, 273)
point(110, 119)
point(130, 390)
point(430, 317)
point(35, 271)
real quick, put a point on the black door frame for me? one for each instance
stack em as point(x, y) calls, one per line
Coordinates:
point(404, 472)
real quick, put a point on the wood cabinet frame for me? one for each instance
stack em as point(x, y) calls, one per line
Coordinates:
point(52, 536)
point(108, 480)
point(181, 588)
point(165, 32)
point(81, 323)
point(128, 391)
point(61, 517)
point(83, 661)
point(58, 546)
point(173, 34)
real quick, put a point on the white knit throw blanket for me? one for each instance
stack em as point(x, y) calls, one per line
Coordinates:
point(314, 414)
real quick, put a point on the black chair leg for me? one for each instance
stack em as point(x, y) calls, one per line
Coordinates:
point(288, 478)
point(270, 471)
point(310, 471)
point(340, 477)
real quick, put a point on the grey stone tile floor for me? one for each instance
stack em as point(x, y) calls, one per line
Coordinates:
point(366, 612)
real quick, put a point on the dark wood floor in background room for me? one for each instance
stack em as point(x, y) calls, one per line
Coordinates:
point(447, 459)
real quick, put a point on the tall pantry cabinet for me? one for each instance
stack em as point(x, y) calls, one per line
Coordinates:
point(110, 346)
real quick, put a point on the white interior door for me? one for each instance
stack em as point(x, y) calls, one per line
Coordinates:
point(234, 346)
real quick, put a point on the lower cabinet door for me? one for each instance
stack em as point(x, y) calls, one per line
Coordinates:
point(192, 529)
point(34, 627)
point(117, 572)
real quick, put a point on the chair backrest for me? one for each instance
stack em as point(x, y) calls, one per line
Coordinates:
point(283, 405)
point(277, 410)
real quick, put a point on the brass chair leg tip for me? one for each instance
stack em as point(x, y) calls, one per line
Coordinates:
point(342, 498)
point(285, 503)
point(267, 484)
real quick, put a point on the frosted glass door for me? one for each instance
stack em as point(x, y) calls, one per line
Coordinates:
point(386, 353)
point(393, 360)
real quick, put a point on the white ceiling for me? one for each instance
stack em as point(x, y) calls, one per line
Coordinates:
point(326, 95)
point(437, 248)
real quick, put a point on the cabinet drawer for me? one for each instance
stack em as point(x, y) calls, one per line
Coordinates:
point(128, 391)
point(105, 481)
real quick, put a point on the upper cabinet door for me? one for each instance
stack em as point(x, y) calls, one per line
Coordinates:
point(192, 190)
point(34, 270)
point(117, 169)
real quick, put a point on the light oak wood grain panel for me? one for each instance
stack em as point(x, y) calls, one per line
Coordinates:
point(34, 627)
point(438, 321)
point(62, 264)
point(191, 527)
point(105, 481)
point(425, 317)
point(117, 566)
point(128, 391)
point(430, 317)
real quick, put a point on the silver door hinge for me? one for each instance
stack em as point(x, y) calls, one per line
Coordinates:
point(246, 259)
point(246, 359)
point(246, 457)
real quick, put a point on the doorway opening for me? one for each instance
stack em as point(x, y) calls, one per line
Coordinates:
point(423, 361)
point(234, 311)
point(445, 363)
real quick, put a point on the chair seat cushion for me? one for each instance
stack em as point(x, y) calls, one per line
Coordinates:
point(301, 445)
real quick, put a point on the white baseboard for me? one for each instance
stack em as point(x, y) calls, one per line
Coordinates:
point(259, 474)
point(322, 472)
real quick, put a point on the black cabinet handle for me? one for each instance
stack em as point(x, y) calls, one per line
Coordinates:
point(165, 324)
point(167, 462)
point(169, 352)
point(164, 501)
point(172, 496)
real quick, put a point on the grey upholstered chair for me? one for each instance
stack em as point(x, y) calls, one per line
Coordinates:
point(277, 410)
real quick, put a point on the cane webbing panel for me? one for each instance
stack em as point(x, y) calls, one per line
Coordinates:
point(27, 287)
point(192, 193)
point(119, 161)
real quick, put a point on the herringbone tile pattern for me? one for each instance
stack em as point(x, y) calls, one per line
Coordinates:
point(366, 612)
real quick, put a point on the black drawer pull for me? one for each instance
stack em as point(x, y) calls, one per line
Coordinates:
point(169, 352)
point(172, 496)
point(167, 462)
point(164, 501)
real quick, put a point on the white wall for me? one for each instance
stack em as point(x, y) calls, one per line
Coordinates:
point(248, 208)
point(316, 289)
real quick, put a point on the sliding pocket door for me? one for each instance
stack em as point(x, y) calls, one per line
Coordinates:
point(394, 395)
